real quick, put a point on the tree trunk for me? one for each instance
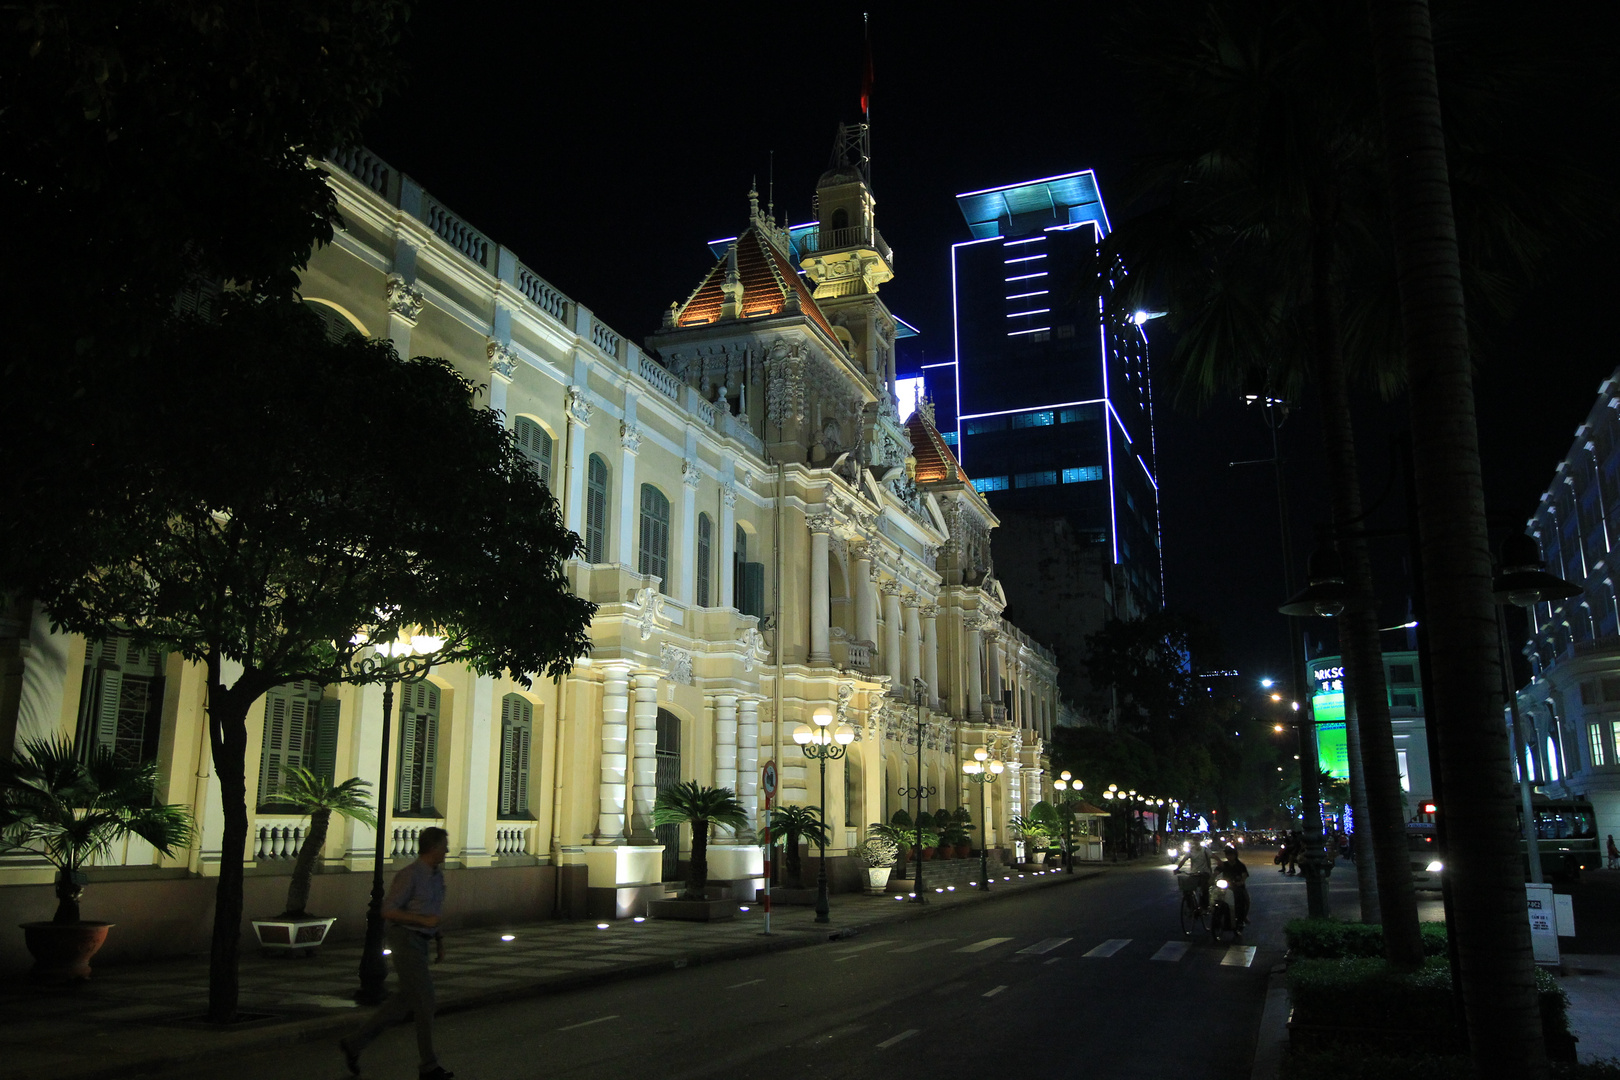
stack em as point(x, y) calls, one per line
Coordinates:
point(795, 871)
point(304, 868)
point(1484, 862)
point(697, 875)
point(1396, 904)
point(1366, 860)
point(227, 731)
point(68, 892)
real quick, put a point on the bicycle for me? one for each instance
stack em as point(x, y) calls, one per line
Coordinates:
point(1194, 914)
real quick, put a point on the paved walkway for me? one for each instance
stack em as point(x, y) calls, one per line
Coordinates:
point(133, 1019)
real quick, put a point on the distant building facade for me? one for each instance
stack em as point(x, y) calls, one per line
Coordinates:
point(1406, 715)
point(1571, 707)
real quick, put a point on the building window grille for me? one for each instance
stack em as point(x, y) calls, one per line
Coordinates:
point(705, 556)
point(596, 510)
point(517, 735)
point(121, 700)
point(1594, 735)
point(300, 732)
point(534, 442)
point(655, 535)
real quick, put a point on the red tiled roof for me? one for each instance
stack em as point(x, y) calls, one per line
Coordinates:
point(935, 462)
point(767, 281)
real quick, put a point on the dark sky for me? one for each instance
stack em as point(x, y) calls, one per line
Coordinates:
point(607, 146)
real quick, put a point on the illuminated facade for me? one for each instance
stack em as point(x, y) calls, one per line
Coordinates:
point(763, 536)
point(1405, 714)
point(1570, 710)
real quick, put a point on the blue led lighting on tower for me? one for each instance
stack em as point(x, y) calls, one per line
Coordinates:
point(1047, 389)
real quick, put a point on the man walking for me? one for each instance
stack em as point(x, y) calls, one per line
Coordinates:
point(411, 909)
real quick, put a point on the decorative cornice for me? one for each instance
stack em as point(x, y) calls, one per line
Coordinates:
point(728, 495)
point(822, 522)
point(404, 299)
point(503, 359)
point(630, 437)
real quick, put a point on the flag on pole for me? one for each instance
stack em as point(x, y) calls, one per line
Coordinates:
point(866, 69)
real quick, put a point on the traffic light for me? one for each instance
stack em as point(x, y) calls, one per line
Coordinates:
point(1429, 808)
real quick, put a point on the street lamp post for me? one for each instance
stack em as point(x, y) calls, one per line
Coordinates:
point(823, 745)
point(1065, 782)
point(1112, 796)
point(405, 659)
point(918, 791)
point(984, 769)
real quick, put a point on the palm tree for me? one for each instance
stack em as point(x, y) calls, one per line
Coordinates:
point(687, 803)
point(68, 811)
point(791, 826)
point(317, 797)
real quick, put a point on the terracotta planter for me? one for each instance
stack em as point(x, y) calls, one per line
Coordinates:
point(62, 951)
point(964, 851)
point(927, 853)
point(292, 935)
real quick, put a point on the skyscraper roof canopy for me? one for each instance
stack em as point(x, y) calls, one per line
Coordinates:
point(1034, 206)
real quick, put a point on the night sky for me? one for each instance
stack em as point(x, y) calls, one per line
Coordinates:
point(606, 147)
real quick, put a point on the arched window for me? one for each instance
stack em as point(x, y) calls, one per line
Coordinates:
point(535, 444)
point(840, 220)
point(418, 748)
point(517, 733)
point(1553, 771)
point(596, 509)
point(705, 550)
point(655, 535)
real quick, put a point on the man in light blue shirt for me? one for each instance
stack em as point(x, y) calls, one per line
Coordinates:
point(411, 908)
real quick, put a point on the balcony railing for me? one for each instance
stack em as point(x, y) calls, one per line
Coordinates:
point(854, 237)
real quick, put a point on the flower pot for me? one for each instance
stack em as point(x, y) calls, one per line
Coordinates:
point(62, 951)
point(877, 878)
point(1037, 857)
point(927, 853)
point(964, 851)
point(303, 935)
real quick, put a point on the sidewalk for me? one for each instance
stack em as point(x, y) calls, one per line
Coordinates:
point(133, 1019)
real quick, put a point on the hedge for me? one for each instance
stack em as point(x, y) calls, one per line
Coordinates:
point(1329, 939)
point(1347, 1064)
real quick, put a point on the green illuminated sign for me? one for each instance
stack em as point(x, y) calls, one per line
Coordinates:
point(1331, 749)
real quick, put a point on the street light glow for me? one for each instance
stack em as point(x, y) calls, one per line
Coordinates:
point(1268, 683)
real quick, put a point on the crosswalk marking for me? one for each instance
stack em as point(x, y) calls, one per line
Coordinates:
point(902, 1037)
point(1238, 956)
point(980, 946)
point(994, 992)
point(1109, 947)
point(1173, 950)
point(863, 945)
point(921, 945)
point(1046, 945)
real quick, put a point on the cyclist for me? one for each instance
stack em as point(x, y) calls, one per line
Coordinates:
point(1198, 877)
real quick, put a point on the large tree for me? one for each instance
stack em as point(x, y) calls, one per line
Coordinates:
point(321, 497)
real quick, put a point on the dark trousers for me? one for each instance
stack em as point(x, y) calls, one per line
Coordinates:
point(1240, 902)
point(415, 995)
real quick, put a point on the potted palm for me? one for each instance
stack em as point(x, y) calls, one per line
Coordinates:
point(1035, 835)
point(688, 803)
point(879, 854)
point(790, 827)
point(295, 930)
point(962, 821)
point(68, 811)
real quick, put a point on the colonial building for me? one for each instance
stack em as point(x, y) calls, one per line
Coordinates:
point(764, 538)
point(1571, 708)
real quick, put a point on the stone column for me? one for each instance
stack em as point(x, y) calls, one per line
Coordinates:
point(748, 763)
point(691, 477)
point(992, 691)
point(728, 546)
point(629, 494)
point(865, 591)
point(644, 770)
point(913, 649)
point(610, 820)
point(820, 604)
point(973, 660)
point(578, 409)
point(930, 652)
point(475, 817)
point(892, 665)
point(725, 752)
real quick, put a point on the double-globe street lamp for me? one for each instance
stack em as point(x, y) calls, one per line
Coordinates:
point(1067, 782)
point(919, 791)
point(984, 769)
point(401, 660)
point(823, 745)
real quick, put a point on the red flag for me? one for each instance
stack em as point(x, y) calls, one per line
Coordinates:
point(866, 70)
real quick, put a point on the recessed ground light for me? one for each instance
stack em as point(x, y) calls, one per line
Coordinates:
point(951, 888)
point(897, 896)
point(388, 952)
point(973, 883)
point(601, 926)
point(742, 909)
point(641, 918)
point(508, 937)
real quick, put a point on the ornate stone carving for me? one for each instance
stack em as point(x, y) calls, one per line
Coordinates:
point(728, 495)
point(404, 299)
point(630, 437)
point(753, 645)
point(578, 406)
point(691, 474)
point(891, 587)
point(928, 611)
point(845, 692)
point(649, 604)
point(821, 522)
point(677, 662)
point(503, 359)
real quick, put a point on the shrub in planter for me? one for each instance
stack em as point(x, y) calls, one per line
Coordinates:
point(688, 803)
point(791, 826)
point(295, 928)
point(1330, 939)
point(67, 811)
point(879, 854)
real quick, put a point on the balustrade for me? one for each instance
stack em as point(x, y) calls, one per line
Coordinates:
point(604, 338)
point(659, 377)
point(278, 843)
point(542, 295)
point(457, 233)
point(512, 839)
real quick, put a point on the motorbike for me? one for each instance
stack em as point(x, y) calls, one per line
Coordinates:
point(1223, 911)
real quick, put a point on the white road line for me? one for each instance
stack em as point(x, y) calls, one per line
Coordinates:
point(902, 1037)
point(993, 993)
point(588, 1023)
point(921, 945)
point(863, 945)
point(1046, 945)
point(1238, 956)
point(1054, 960)
point(1173, 951)
point(739, 986)
point(1110, 947)
point(980, 946)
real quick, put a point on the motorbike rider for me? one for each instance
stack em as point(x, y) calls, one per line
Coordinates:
point(1198, 876)
point(1236, 876)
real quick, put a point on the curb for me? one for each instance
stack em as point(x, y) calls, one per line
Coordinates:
point(1271, 1040)
point(314, 1029)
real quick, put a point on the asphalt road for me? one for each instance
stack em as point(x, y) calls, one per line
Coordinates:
point(1092, 978)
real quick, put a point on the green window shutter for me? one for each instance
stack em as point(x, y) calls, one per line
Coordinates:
point(596, 503)
point(430, 746)
point(109, 693)
point(323, 761)
point(705, 545)
point(520, 804)
point(517, 724)
point(535, 444)
point(751, 589)
point(273, 758)
point(655, 535)
point(408, 719)
point(508, 754)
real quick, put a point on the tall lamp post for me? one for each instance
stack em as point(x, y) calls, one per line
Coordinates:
point(1066, 782)
point(918, 791)
point(403, 660)
point(1111, 797)
point(823, 745)
point(984, 769)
